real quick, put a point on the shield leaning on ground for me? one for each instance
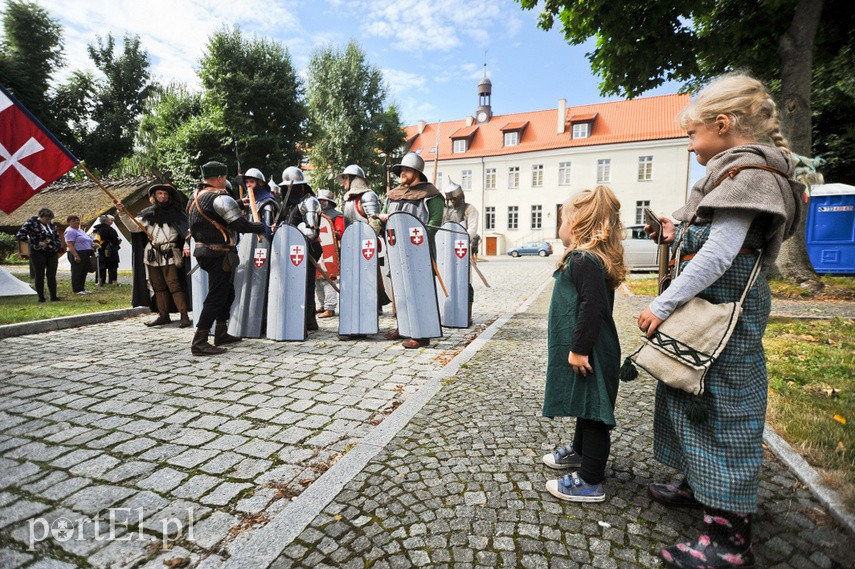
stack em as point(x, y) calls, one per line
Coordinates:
point(247, 313)
point(286, 291)
point(413, 282)
point(357, 304)
point(452, 260)
point(329, 244)
point(198, 285)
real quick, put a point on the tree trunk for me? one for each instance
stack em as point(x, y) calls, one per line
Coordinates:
point(795, 51)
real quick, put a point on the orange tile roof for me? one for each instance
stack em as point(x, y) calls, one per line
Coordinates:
point(647, 118)
point(515, 126)
point(582, 118)
point(465, 132)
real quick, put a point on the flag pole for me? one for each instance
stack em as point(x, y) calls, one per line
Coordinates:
point(114, 198)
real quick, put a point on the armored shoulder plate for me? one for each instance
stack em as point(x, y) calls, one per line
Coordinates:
point(227, 208)
point(370, 203)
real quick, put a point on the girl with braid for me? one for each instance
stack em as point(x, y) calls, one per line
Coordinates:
point(746, 206)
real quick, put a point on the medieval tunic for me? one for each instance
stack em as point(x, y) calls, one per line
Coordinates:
point(580, 326)
point(422, 200)
point(721, 457)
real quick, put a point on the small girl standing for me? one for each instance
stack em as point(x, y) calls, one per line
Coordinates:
point(584, 353)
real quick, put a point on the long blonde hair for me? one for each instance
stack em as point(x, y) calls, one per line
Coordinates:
point(595, 226)
point(745, 101)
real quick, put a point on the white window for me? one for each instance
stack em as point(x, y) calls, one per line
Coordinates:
point(537, 176)
point(604, 171)
point(645, 168)
point(513, 177)
point(459, 146)
point(513, 216)
point(581, 130)
point(639, 210)
point(466, 179)
point(536, 216)
point(512, 138)
point(564, 173)
point(490, 178)
point(439, 183)
point(490, 217)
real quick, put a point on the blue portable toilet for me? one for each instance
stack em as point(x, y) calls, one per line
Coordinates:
point(830, 230)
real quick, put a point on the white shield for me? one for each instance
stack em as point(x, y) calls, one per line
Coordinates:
point(358, 282)
point(286, 292)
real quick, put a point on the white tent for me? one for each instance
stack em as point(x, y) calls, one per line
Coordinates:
point(13, 286)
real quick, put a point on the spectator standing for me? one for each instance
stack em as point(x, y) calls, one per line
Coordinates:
point(81, 247)
point(45, 248)
point(108, 252)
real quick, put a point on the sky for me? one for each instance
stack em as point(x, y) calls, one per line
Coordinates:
point(431, 52)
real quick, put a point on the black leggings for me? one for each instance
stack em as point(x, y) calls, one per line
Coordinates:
point(593, 441)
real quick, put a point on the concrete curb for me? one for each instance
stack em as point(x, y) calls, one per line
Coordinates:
point(268, 542)
point(810, 477)
point(52, 324)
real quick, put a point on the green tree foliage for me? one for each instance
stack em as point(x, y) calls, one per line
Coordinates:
point(118, 101)
point(31, 51)
point(786, 43)
point(347, 120)
point(257, 93)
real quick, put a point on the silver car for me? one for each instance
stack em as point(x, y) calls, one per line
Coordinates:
point(640, 253)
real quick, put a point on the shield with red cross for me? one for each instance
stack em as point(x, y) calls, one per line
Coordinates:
point(417, 236)
point(460, 248)
point(297, 254)
point(390, 237)
point(368, 249)
point(260, 257)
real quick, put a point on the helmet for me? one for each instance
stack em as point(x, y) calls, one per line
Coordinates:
point(292, 175)
point(414, 162)
point(352, 170)
point(327, 195)
point(255, 173)
point(453, 190)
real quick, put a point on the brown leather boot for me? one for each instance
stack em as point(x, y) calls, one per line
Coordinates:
point(162, 301)
point(200, 345)
point(222, 336)
point(181, 303)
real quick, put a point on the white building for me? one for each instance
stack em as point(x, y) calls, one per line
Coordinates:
point(519, 169)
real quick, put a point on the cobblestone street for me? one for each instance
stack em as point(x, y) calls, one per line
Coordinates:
point(327, 453)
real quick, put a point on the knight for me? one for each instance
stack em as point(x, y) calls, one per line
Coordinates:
point(360, 201)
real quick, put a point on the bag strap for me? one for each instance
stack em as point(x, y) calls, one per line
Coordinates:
point(755, 272)
point(219, 227)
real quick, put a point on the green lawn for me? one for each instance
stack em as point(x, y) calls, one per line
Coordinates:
point(14, 309)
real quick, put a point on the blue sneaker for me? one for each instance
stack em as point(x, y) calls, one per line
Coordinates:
point(573, 489)
point(563, 458)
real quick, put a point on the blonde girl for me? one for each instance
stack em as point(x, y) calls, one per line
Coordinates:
point(584, 353)
point(728, 221)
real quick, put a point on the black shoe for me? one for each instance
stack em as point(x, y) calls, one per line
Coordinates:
point(674, 496)
point(42, 299)
point(55, 299)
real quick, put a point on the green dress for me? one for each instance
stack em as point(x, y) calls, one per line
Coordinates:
point(569, 394)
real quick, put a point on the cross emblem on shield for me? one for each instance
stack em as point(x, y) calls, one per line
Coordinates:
point(390, 237)
point(297, 255)
point(260, 257)
point(368, 249)
point(416, 237)
point(460, 248)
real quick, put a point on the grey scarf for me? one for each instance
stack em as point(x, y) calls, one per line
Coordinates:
point(751, 189)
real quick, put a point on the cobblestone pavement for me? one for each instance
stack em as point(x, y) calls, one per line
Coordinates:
point(116, 420)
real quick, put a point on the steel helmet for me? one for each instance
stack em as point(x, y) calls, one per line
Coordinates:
point(292, 175)
point(412, 161)
point(453, 190)
point(255, 173)
point(326, 195)
point(352, 170)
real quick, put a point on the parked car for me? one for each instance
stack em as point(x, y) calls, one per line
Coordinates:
point(640, 253)
point(541, 248)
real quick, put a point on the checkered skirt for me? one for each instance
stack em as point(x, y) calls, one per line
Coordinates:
point(722, 457)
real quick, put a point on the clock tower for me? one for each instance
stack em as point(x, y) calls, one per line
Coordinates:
point(485, 89)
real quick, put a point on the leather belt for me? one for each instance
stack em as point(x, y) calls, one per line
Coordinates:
point(690, 256)
point(221, 248)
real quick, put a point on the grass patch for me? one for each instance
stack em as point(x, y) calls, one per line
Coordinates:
point(15, 309)
point(836, 288)
point(812, 394)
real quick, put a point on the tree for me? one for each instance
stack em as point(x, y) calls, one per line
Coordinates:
point(31, 51)
point(640, 45)
point(347, 121)
point(118, 101)
point(255, 87)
